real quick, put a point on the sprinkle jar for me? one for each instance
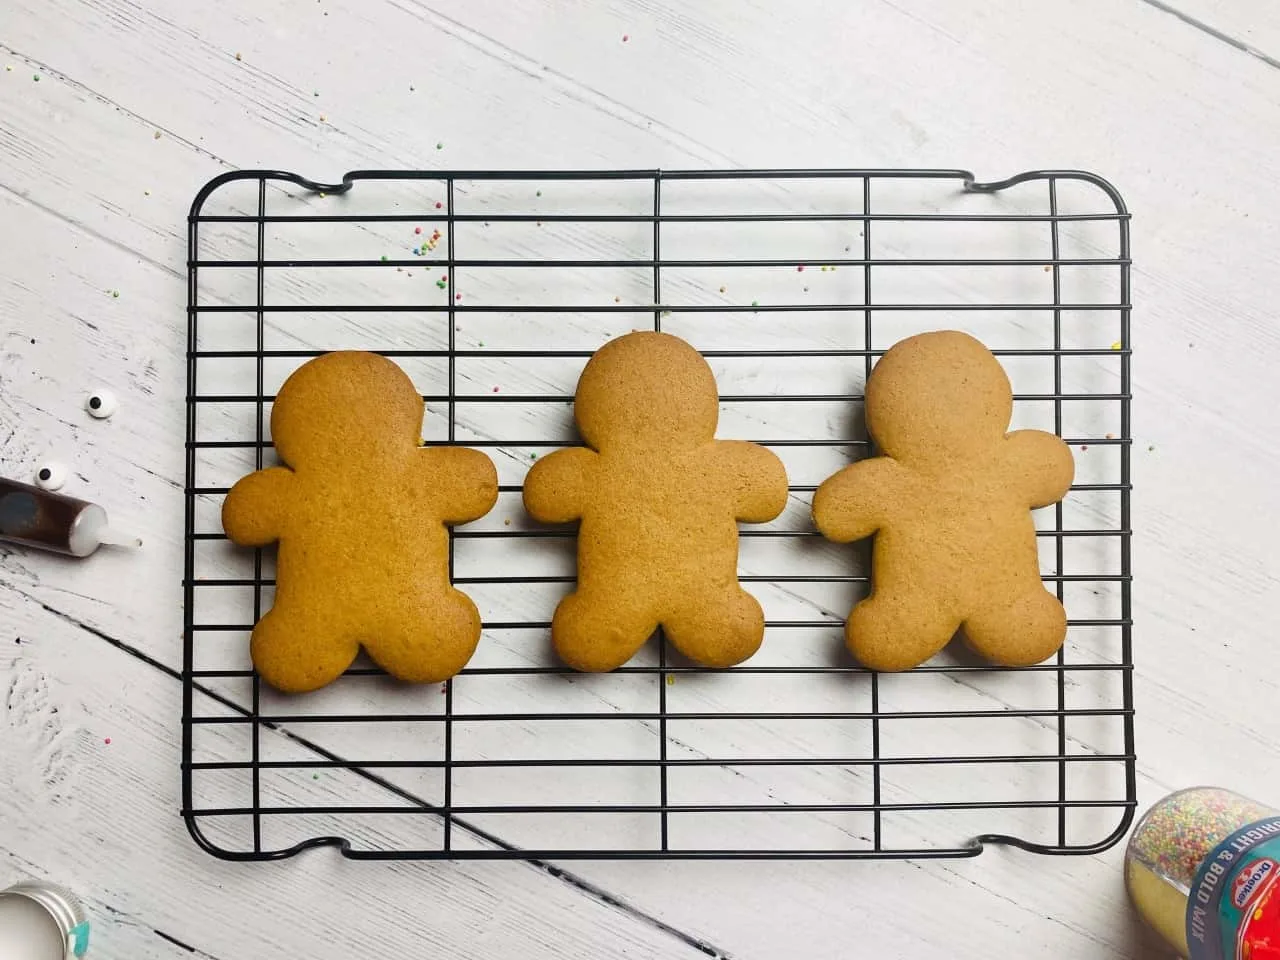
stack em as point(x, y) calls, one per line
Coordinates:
point(1202, 867)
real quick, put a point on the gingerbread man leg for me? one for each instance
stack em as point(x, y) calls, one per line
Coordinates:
point(297, 647)
point(595, 631)
point(895, 631)
point(425, 646)
point(717, 630)
point(1017, 633)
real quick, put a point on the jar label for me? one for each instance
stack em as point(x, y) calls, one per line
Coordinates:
point(1233, 909)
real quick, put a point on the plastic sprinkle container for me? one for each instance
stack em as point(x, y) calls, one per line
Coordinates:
point(1202, 868)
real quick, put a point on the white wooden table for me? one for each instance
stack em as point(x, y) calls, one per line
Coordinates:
point(113, 113)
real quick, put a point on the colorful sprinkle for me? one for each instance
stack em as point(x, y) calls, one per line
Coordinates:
point(107, 741)
point(495, 389)
point(533, 456)
point(1083, 447)
point(800, 268)
point(617, 299)
point(439, 204)
point(457, 296)
point(440, 145)
point(1117, 345)
point(538, 193)
point(444, 276)
point(722, 289)
point(156, 135)
point(1111, 436)
point(35, 78)
point(626, 37)
point(384, 258)
point(671, 679)
point(482, 343)
point(1180, 831)
point(441, 284)
point(417, 229)
point(506, 522)
point(824, 269)
point(115, 294)
point(755, 303)
point(238, 57)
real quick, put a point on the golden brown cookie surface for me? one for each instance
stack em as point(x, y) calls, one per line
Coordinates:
point(949, 501)
point(359, 510)
point(659, 499)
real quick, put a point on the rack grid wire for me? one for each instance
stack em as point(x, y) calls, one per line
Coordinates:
point(492, 289)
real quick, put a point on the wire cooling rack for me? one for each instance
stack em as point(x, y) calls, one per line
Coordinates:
point(492, 289)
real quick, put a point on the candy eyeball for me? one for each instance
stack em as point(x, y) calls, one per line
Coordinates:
point(100, 404)
point(51, 475)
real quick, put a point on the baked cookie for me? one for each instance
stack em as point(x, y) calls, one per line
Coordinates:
point(949, 502)
point(659, 499)
point(360, 510)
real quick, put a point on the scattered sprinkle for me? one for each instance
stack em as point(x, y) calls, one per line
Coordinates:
point(411, 88)
point(458, 328)
point(1047, 268)
point(1084, 446)
point(722, 289)
point(538, 223)
point(440, 145)
point(384, 257)
point(1111, 436)
point(505, 523)
point(322, 118)
point(315, 93)
point(495, 389)
point(800, 268)
point(156, 135)
point(35, 78)
point(538, 193)
point(238, 57)
point(417, 229)
point(1117, 345)
point(482, 343)
point(671, 679)
point(533, 456)
point(444, 277)
point(440, 284)
point(146, 193)
point(457, 296)
point(399, 269)
point(315, 776)
point(107, 741)
point(824, 269)
point(115, 294)
point(9, 69)
point(626, 37)
point(666, 313)
point(323, 194)
point(617, 299)
point(755, 303)
point(1151, 448)
point(806, 289)
point(439, 204)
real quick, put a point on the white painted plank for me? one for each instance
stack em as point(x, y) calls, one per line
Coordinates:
point(1252, 27)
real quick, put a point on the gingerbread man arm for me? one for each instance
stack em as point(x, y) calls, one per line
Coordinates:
point(756, 478)
point(254, 512)
point(1040, 464)
point(463, 483)
point(854, 503)
point(555, 489)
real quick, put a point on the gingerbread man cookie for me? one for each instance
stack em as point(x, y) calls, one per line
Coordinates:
point(659, 499)
point(360, 509)
point(949, 502)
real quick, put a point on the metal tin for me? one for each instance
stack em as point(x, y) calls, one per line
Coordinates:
point(40, 921)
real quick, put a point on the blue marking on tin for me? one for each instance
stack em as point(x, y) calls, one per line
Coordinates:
point(79, 938)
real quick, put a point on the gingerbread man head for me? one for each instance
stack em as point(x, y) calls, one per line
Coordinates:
point(346, 406)
point(938, 398)
point(625, 393)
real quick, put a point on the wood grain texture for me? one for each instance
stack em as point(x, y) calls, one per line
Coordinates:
point(92, 200)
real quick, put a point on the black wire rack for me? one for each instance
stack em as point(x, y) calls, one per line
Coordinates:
point(492, 289)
